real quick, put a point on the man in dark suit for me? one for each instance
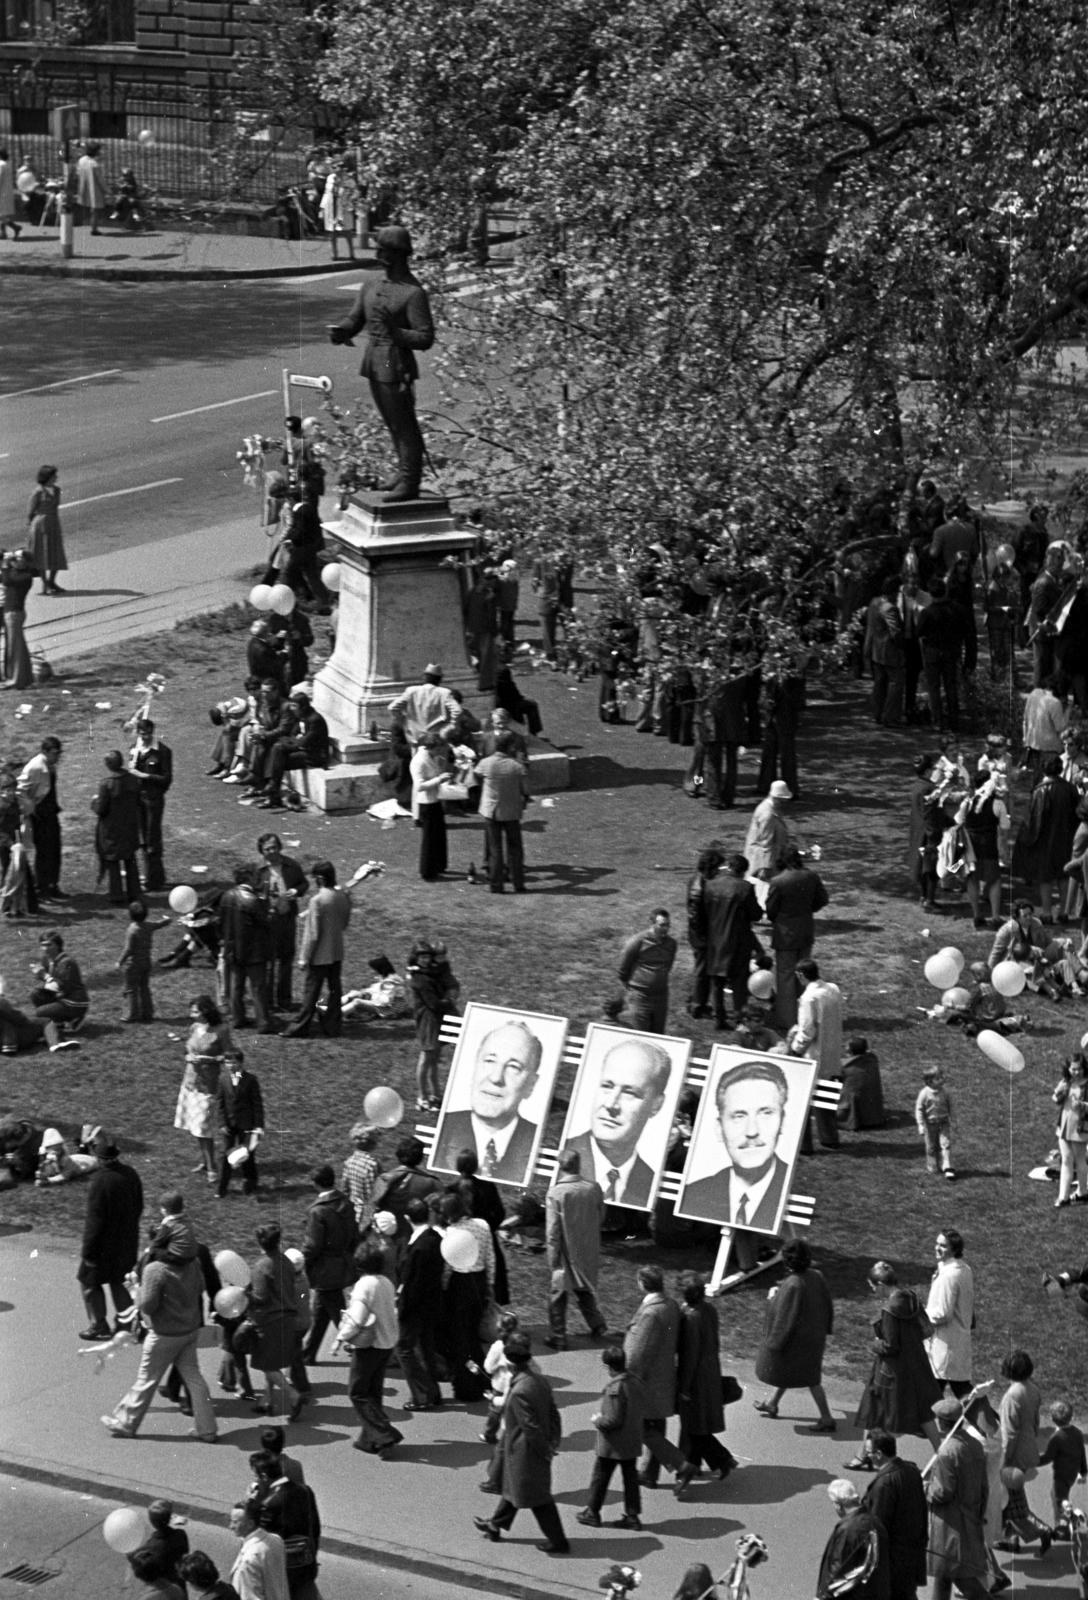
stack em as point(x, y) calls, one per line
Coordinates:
point(793, 897)
point(896, 1497)
point(631, 1087)
point(419, 1304)
point(885, 655)
point(748, 1193)
point(111, 1237)
point(241, 1114)
point(117, 836)
point(152, 762)
point(504, 1074)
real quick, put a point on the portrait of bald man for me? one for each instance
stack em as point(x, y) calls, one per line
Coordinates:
point(504, 1072)
point(630, 1089)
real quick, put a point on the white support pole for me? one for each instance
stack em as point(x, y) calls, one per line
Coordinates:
point(721, 1260)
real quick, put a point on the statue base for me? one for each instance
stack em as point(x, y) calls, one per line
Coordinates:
point(401, 607)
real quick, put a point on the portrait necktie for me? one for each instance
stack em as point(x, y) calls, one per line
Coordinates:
point(742, 1212)
point(613, 1178)
point(491, 1158)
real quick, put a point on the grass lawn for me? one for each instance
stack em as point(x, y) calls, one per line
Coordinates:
point(621, 841)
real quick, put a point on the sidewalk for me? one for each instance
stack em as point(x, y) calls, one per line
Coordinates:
point(415, 1510)
point(166, 254)
point(146, 588)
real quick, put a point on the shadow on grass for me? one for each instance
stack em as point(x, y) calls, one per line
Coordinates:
point(601, 772)
point(557, 877)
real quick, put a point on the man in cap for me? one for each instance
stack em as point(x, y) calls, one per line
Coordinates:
point(957, 1491)
point(855, 1559)
point(768, 837)
point(394, 309)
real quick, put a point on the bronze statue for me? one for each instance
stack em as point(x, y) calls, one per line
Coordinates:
point(394, 309)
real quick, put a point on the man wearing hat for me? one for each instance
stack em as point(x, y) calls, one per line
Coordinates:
point(427, 707)
point(152, 762)
point(394, 309)
point(768, 837)
point(957, 1491)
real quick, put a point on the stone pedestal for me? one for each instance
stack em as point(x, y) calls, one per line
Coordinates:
point(401, 607)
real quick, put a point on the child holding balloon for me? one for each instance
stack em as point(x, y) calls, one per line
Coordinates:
point(135, 962)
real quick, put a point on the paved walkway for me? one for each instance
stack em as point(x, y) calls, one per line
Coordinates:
point(145, 588)
point(416, 1509)
point(165, 253)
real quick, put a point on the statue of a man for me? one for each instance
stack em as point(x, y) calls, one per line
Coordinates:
point(393, 307)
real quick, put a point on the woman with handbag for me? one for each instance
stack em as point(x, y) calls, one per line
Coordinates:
point(368, 1328)
point(901, 1390)
point(1071, 1098)
point(268, 1337)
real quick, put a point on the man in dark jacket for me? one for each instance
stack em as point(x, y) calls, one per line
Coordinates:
point(241, 1116)
point(728, 912)
point(721, 727)
point(785, 703)
point(402, 1184)
point(304, 543)
point(794, 896)
point(644, 972)
point(855, 1559)
point(331, 1236)
point(419, 1307)
point(281, 883)
point(152, 763)
point(896, 1497)
point(117, 836)
point(111, 1236)
point(941, 629)
point(707, 866)
point(246, 946)
point(277, 719)
point(263, 652)
point(885, 655)
point(650, 1348)
point(531, 1439)
point(305, 748)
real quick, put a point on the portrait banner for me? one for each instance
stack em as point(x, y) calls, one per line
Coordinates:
point(498, 1092)
point(622, 1108)
point(746, 1139)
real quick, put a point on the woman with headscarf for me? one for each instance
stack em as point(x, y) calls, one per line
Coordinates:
point(44, 541)
point(901, 1390)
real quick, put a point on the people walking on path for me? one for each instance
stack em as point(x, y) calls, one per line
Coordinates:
point(650, 1347)
point(956, 1490)
point(419, 1309)
point(272, 1299)
point(800, 1319)
point(574, 1211)
point(111, 1237)
point(530, 1442)
point(331, 1237)
point(896, 1497)
point(619, 1440)
point(902, 1391)
point(856, 1554)
point(699, 1383)
point(369, 1330)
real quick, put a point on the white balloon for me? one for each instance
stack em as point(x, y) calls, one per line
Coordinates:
point(282, 599)
point(146, 138)
point(459, 1249)
point(260, 597)
point(761, 984)
point(957, 957)
point(999, 1050)
point(183, 899)
point(956, 999)
point(383, 1107)
point(232, 1269)
point(941, 972)
point(125, 1530)
point(1009, 978)
point(231, 1302)
point(330, 576)
point(1004, 555)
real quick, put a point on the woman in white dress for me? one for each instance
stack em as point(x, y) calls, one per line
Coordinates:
point(205, 1048)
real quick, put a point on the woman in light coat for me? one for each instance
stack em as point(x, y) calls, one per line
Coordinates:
point(951, 1310)
point(90, 190)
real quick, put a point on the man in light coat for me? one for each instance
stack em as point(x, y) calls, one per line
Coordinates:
point(650, 1348)
point(427, 707)
point(574, 1211)
point(260, 1567)
point(321, 952)
point(768, 837)
point(819, 1034)
point(502, 801)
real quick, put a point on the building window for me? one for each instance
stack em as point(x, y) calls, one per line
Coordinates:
point(108, 125)
point(69, 21)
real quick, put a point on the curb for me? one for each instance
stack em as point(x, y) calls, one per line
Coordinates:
point(373, 1552)
point(48, 269)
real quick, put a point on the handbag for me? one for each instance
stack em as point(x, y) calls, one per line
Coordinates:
point(299, 1552)
point(732, 1391)
point(246, 1338)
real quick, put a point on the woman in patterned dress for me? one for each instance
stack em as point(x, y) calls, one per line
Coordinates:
point(207, 1044)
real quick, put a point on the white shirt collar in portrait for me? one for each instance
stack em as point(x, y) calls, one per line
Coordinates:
point(754, 1191)
point(602, 1167)
point(483, 1133)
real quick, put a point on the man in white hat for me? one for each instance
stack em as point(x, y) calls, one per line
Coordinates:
point(768, 837)
point(427, 707)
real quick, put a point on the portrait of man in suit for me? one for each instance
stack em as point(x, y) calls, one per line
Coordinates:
point(504, 1074)
point(750, 1191)
point(631, 1088)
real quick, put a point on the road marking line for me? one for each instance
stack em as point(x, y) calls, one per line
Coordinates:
point(216, 405)
point(88, 377)
point(159, 483)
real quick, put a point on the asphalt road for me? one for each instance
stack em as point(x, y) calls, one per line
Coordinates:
point(141, 394)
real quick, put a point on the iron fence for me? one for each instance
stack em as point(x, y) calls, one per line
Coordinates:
point(173, 172)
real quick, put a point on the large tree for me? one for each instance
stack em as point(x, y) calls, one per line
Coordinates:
point(779, 254)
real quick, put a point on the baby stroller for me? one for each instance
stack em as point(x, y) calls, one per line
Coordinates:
point(128, 206)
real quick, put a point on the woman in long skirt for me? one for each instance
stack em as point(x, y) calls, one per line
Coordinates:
point(16, 578)
point(902, 1391)
point(429, 773)
point(272, 1308)
point(45, 543)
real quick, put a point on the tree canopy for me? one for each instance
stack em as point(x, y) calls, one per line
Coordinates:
point(778, 256)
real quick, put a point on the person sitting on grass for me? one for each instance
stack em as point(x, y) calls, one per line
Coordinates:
point(20, 1143)
point(302, 750)
point(62, 1001)
point(17, 1030)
